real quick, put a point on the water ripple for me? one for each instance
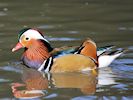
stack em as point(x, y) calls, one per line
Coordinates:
point(125, 28)
point(11, 68)
point(2, 13)
point(122, 67)
point(102, 98)
point(120, 86)
point(3, 80)
point(63, 39)
point(46, 27)
point(72, 32)
point(124, 61)
point(130, 48)
point(51, 96)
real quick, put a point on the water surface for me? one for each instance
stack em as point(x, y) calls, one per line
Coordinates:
point(63, 23)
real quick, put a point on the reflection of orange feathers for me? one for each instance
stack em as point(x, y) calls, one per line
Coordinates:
point(34, 80)
point(85, 82)
point(89, 89)
point(34, 84)
point(24, 94)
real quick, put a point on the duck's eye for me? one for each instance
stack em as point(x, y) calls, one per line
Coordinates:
point(27, 38)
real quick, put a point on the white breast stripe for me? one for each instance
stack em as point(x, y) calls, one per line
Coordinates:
point(49, 64)
point(42, 66)
point(46, 65)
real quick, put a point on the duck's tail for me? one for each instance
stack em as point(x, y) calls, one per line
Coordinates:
point(106, 58)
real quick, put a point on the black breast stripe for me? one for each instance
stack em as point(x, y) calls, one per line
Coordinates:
point(46, 66)
point(49, 64)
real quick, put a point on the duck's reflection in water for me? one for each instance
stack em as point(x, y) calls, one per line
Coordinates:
point(85, 82)
point(35, 84)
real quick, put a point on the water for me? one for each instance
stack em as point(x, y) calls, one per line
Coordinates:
point(67, 22)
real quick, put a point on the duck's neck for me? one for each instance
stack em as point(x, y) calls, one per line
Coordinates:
point(35, 55)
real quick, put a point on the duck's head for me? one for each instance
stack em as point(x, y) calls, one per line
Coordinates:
point(27, 38)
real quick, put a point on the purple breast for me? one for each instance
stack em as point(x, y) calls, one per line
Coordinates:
point(32, 64)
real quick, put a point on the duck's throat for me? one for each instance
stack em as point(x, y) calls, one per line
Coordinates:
point(34, 57)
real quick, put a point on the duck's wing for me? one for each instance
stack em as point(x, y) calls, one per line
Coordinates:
point(57, 52)
point(101, 50)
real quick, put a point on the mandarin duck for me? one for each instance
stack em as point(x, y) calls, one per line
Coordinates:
point(39, 54)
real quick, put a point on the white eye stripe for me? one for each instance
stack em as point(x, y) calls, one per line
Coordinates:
point(33, 34)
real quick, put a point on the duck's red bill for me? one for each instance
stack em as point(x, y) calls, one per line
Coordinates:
point(17, 47)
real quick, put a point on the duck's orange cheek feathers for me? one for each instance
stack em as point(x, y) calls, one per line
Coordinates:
point(26, 43)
